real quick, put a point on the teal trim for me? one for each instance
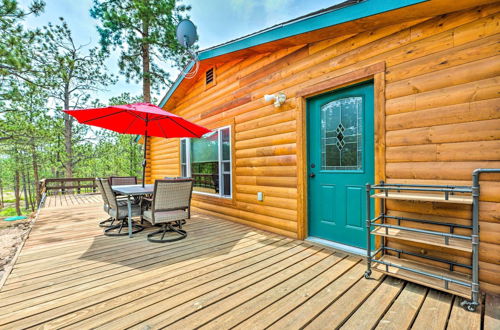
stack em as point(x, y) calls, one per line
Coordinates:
point(338, 16)
point(176, 84)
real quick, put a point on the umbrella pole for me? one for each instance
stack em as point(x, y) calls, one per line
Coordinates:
point(144, 160)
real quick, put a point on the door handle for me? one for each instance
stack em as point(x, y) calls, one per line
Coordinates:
point(312, 175)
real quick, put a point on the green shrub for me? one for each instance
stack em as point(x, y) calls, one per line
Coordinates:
point(11, 211)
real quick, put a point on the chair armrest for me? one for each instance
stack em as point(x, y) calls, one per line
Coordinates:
point(145, 202)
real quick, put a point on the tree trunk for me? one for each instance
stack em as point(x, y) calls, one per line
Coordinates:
point(25, 191)
point(30, 193)
point(17, 192)
point(1, 194)
point(36, 178)
point(146, 77)
point(68, 147)
point(68, 137)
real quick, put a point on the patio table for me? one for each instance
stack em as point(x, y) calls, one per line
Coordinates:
point(130, 191)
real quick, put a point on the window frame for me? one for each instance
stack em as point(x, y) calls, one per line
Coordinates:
point(219, 159)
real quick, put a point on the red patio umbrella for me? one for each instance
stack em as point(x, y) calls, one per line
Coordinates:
point(140, 119)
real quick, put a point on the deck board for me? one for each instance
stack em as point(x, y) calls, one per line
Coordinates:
point(339, 311)
point(223, 275)
point(69, 200)
point(405, 308)
point(492, 313)
point(435, 311)
point(285, 296)
point(367, 316)
point(462, 319)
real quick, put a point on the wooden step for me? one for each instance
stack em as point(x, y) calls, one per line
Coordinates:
point(438, 284)
point(457, 199)
point(454, 243)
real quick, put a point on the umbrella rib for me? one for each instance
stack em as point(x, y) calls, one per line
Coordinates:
point(187, 129)
point(135, 115)
point(131, 123)
point(160, 118)
point(101, 117)
point(161, 128)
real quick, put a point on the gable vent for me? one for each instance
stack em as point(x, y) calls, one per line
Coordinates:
point(209, 76)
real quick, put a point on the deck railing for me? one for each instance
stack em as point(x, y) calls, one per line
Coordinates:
point(64, 186)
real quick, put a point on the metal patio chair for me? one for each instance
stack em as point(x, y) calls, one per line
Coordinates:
point(122, 180)
point(108, 222)
point(170, 207)
point(147, 200)
point(119, 211)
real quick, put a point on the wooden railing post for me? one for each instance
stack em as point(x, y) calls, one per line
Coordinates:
point(42, 188)
point(68, 185)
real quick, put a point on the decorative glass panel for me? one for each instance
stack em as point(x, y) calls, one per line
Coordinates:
point(342, 134)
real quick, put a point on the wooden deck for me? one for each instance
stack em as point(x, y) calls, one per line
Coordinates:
point(71, 200)
point(224, 275)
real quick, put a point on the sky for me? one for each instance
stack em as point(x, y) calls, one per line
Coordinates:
point(217, 21)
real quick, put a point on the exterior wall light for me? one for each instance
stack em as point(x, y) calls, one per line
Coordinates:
point(279, 99)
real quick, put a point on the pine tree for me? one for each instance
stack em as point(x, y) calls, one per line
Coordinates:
point(70, 72)
point(144, 31)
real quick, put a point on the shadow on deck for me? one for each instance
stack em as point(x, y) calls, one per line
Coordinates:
point(223, 275)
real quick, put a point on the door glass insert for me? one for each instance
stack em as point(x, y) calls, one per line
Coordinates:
point(342, 134)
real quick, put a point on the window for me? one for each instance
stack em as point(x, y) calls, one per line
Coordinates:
point(208, 162)
point(342, 134)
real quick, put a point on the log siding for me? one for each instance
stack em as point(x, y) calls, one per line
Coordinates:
point(437, 95)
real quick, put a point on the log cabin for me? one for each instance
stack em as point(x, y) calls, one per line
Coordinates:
point(405, 92)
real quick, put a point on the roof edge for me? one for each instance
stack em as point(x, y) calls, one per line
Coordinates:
point(307, 24)
point(294, 27)
point(176, 84)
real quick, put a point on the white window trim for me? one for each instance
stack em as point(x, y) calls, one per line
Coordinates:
point(188, 156)
point(221, 167)
point(221, 172)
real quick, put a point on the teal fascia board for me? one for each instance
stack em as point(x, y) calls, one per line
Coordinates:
point(175, 85)
point(339, 16)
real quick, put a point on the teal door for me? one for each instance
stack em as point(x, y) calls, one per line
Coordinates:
point(340, 163)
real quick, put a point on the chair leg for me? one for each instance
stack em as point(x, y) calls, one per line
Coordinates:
point(164, 232)
point(105, 223)
point(168, 228)
point(179, 223)
point(121, 226)
point(111, 231)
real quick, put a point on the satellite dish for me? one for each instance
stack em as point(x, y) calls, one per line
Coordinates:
point(186, 33)
point(186, 36)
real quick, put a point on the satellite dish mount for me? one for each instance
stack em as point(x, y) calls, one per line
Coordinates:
point(186, 36)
